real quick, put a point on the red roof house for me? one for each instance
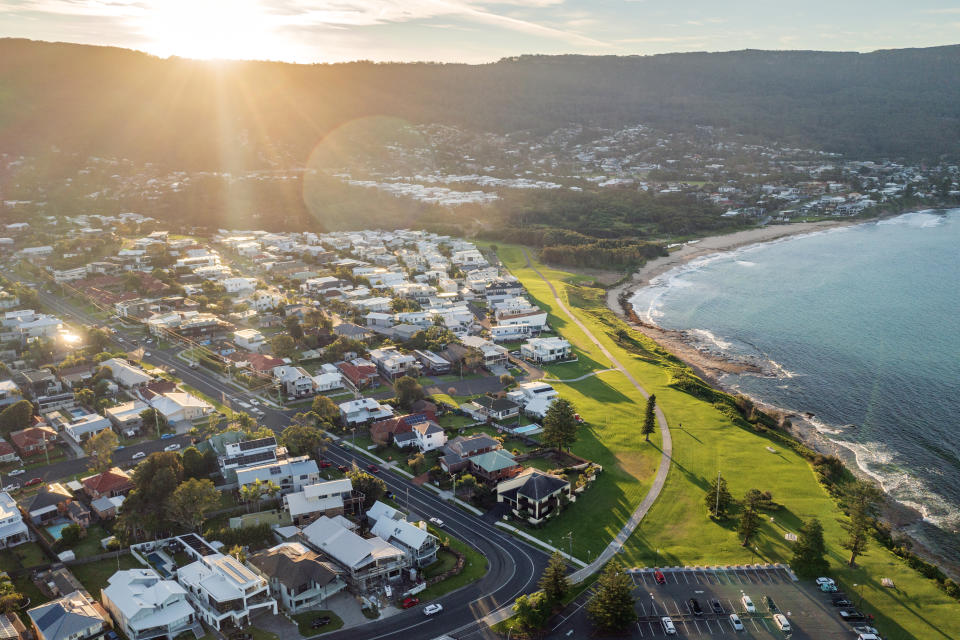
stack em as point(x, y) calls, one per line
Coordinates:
point(111, 483)
point(33, 441)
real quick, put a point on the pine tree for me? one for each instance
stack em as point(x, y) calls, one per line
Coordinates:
point(531, 612)
point(649, 418)
point(862, 500)
point(718, 506)
point(749, 523)
point(809, 551)
point(554, 581)
point(560, 425)
point(611, 608)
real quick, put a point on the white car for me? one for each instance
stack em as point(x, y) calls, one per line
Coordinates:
point(668, 628)
point(431, 609)
point(146, 354)
point(12, 487)
point(139, 454)
point(254, 401)
point(17, 472)
point(822, 581)
point(437, 522)
point(748, 605)
point(735, 621)
point(172, 447)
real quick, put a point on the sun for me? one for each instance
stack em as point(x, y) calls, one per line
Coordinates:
point(211, 29)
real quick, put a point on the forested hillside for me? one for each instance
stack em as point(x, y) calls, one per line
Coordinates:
point(114, 102)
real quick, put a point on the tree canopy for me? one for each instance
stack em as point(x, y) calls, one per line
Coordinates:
point(560, 425)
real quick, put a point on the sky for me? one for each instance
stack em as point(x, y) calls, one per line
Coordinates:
point(477, 31)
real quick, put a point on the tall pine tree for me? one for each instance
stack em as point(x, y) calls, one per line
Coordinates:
point(649, 417)
point(560, 425)
point(809, 551)
point(554, 580)
point(611, 608)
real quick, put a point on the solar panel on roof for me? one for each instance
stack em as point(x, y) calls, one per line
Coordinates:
point(416, 419)
point(247, 445)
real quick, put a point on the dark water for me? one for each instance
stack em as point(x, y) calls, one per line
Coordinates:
point(861, 326)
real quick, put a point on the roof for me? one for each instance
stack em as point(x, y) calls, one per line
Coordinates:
point(538, 485)
point(345, 546)
point(496, 404)
point(291, 467)
point(135, 590)
point(495, 460)
point(293, 565)
point(32, 435)
point(66, 617)
point(49, 496)
point(427, 428)
point(466, 444)
point(110, 480)
point(125, 373)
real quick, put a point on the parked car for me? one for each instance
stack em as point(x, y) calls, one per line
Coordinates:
point(343, 468)
point(668, 627)
point(17, 472)
point(32, 481)
point(146, 354)
point(372, 468)
point(828, 587)
point(432, 609)
point(322, 621)
point(410, 602)
point(781, 621)
point(138, 455)
point(659, 577)
point(735, 621)
point(851, 614)
point(437, 522)
point(748, 605)
point(771, 605)
point(172, 447)
point(10, 488)
point(825, 581)
point(842, 602)
point(325, 464)
point(166, 436)
point(866, 629)
point(695, 607)
point(716, 606)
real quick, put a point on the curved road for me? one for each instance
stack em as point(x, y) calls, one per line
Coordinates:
point(667, 449)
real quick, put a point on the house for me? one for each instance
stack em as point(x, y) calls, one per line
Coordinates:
point(544, 350)
point(366, 562)
point(39, 382)
point(78, 513)
point(75, 616)
point(7, 452)
point(298, 577)
point(109, 484)
point(534, 397)
point(364, 410)
point(244, 453)
point(432, 363)
point(492, 408)
point(127, 375)
point(360, 373)
point(534, 495)
point(249, 339)
point(419, 545)
point(493, 354)
point(76, 376)
point(292, 474)
point(383, 431)
point(350, 330)
point(379, 320)
point(222, 590)
point(296, 382)
point(11, 628)
point(48, 503)
point(126, 416)
point(13, 530)
point(454, 456)
point(106, 508)
point(179, 406)
point(331, 498)
point(34, 441)
point(429, 435)
point(504, 332)
point(493, 466)
point(144, 606)
point(84, 427)
point(328, 379)
point(9, 393)
point(392, 364)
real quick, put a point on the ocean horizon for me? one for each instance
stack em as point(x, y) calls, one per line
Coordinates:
point(856, 325)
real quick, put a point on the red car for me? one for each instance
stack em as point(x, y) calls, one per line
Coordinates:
point(30, 483)
point(372, 468)
point(659, 577)
point(324, 464)
point(410, 602)
point(343, 468)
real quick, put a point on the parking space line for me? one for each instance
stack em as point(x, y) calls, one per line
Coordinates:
point(739, 581)
point(697, 627)
point(685, 579)
point(733, 607)
point(675, 576)
point(652, 632)
point(764, 623)
point(640, 629)
point(754, 622)
point(709, 628)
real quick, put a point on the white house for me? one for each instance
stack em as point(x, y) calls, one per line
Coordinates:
point(417, 543)
point(323, 498)
point(292, 474)
point(543, 350)
point(493, 354)
point(178, 406)
point(298, 577)
point(429, 435)
point(296, 382)
point(364, 410)
point(534, 397)
point(84, 427)
point(13, 530)
point(504, 332)
point(239, 285)
point(144, 606)
point(266, 299)
point(391, 363)
point(126, 375)
point(328, 379)
point(249, 339)
point(367, 562)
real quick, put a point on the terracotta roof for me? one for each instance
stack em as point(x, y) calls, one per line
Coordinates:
point(113, 479)
point(32, 435)
point(263, 363)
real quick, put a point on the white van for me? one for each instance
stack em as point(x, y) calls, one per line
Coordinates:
point(748, 605)
point(781, 621)
point(668, 627)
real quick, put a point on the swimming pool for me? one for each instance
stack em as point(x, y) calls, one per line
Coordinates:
point(527, 430)
point(56, 530)
point(158, 563)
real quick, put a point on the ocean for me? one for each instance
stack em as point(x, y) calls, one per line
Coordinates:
point(859, 326)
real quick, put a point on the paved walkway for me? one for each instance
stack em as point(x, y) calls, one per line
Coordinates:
point(662, 469)
point(583, 377)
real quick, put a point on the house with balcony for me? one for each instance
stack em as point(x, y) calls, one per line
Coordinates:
point(367, 564)
point(75, 616)
point(428, 435)
point(299, 578)
point(419, 545)
point(364, 410)
point(292, 474)
point(493, 354)
point(534, 496)
point(392, 364)
point(295, 381)
point(546, 350)
point(82, 428)
point(456, 453)
point(331, 498)
point(13, 530)
point(145, 607)
point(493, 466)
point(224, 592)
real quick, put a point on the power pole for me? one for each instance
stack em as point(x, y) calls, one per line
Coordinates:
point(716, 509)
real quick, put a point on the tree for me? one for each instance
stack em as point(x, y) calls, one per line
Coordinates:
point(468, 483)
point(649, 417)
point(69, 536)
point(198, 465)
point(302, 439)
point(100, 450)
point(372, 488)
point(191, 501)
point(84, 397)
point(237, 552)
point(326, 409)
point(408, 391)
point(292, 323)
point(10, 599)
point(154, 420)
point(98, 339)
point(154, 481)
point(718, 506)
point(810, 550)
point(417, 462)
point(749, 523)
point(611, 608)
point(472, 359)
point(863, 501)
point(531, 612)
point(507, 380)
point(283, 346)
point(554, 581)
point(15, 417)
point(560, 425)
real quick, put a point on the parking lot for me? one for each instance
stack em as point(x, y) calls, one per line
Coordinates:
point(809, 611)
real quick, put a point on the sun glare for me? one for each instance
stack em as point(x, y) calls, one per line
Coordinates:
point(212, 29)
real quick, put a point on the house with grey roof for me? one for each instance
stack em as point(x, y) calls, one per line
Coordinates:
point(299, 578)
point(534, 495)
point(145, 606)
point(292, 474)
point(73, 617)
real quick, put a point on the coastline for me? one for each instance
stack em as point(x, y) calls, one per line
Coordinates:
point(712, 367)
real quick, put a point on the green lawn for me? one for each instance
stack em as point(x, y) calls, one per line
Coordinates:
point(474, 568)
point(260, 634)
point(94, 575)
point(90, 544)
point(678, 525)
point(304, 620)
point(446, 399)
point(452, 421)
point(28, 554)
point(444, 562)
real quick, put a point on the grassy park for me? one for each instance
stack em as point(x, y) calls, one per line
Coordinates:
point(678, 531)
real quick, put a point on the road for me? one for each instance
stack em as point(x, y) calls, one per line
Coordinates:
point(514, 566)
